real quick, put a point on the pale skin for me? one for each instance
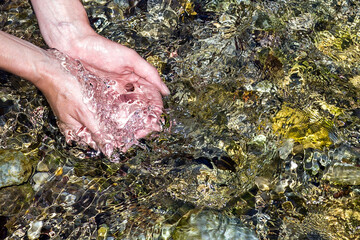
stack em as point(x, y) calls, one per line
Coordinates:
point(64, 25)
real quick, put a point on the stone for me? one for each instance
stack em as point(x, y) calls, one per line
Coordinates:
point(14, 199)
point(263, 183)
point(286, 148)
point(103, 231)
point(303, 127)
point(355, 81)
point(34, 230)
point(343, 174)
point(42, 167)
point(15, 168)
point(205, 187)
point(211, 225)
point(39, 179)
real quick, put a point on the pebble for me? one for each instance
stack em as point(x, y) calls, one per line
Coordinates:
point(34, 230)
point(39, 178)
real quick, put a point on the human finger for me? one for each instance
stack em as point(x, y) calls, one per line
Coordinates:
point(147, 71)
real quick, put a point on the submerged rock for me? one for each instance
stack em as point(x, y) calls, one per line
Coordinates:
point(34, 231)
point(15, 168)
point(208, 225)
point(39, 179)
point(343, 174)
point(205, 187)
point(15, 199)
point(304, 127)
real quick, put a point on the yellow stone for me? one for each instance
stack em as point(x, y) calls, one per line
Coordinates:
point(59, 171)
point(342, 46)
point(288, 206)
point(189, 8)
point(310, 131)
point(355, 81)
point(102, 232)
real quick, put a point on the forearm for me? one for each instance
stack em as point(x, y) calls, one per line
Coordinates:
point(21, 58)
point(61, 22)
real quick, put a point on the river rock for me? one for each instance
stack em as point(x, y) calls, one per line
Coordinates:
point(343, 174)
point(34, 230)
point(39, 178)
point(15, 168)
point(211, 225)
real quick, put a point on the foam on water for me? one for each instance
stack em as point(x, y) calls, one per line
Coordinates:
point(124, 110)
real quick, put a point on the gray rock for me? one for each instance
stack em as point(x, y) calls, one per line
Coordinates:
point(39, 178)
point(15, 168)
point(286, 148)
point(34, 230)
point(211, 225)
point(42, 167)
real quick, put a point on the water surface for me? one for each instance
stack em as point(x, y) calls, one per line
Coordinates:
point(261, 130)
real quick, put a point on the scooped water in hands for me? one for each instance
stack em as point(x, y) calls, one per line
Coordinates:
point(125, 109)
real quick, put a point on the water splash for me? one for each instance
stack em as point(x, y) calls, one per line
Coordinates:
point(125, 111)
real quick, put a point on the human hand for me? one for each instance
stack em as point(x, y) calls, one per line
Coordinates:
point(97, 111)
point(113, 61)
point(64, 26)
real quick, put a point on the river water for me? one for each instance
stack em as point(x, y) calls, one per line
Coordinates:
point(260, 132)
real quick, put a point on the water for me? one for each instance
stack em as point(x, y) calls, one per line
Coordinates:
point(260, 133)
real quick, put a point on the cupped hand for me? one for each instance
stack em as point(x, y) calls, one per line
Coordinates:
point(128, 92)
point(127, 107)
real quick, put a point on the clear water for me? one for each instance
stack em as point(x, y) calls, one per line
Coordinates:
point(260, 137)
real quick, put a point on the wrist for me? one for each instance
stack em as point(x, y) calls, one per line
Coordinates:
point(21, 58)
point(42, 70)
point(62, 23)
point(65, 36)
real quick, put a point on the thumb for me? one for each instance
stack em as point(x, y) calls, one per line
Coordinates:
point(147, 71)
